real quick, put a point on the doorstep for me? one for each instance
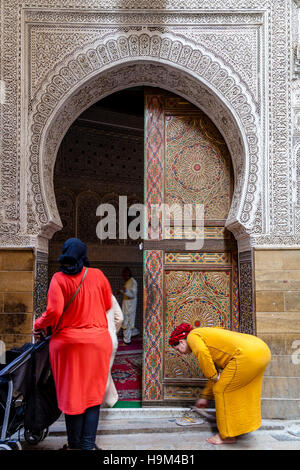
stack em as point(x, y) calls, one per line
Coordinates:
point(151, 420)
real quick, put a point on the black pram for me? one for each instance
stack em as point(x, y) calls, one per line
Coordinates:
point(27, 395)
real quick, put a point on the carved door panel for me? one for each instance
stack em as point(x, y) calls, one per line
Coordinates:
point(186, 162)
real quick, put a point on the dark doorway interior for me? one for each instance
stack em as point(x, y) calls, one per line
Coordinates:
point(100, 159)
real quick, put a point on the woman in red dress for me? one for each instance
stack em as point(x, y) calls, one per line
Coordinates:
point(80, 346)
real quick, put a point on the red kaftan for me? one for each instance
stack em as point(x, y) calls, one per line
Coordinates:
point(80, 346)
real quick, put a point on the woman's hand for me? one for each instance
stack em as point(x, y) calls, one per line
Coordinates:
point(38, 334)
point(201, 403)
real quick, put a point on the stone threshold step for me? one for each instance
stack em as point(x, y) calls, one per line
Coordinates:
point(156, 425)
point(141, 413)
point(134, 428)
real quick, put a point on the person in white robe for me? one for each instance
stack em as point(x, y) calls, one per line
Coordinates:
point(129, 304)
point(114, 319)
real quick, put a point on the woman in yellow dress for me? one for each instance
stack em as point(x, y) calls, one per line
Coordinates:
point(234, 364)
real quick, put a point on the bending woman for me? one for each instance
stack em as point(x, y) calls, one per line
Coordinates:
point(234, 364)
point(80, 346)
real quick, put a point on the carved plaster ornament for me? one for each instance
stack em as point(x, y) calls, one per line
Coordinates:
point(156, 60)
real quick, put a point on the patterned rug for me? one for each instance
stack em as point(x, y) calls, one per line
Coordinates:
point(127, 370)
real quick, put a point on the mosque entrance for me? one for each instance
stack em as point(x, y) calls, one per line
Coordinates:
point(148, 146)
point(101, 162)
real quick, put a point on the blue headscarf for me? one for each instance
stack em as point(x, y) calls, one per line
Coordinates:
point(73, 257)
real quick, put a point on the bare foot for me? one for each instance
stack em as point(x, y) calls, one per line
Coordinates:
point(217, 440)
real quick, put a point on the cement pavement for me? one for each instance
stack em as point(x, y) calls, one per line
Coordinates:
point(155, 429)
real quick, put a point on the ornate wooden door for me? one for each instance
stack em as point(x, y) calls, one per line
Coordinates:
point(186, 162)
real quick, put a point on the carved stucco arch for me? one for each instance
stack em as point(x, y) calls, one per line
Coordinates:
point(152, 59)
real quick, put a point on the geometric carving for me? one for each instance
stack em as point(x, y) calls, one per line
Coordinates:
point(245, 46)
point(235, 294)
point(87, 220)
point(92, 153)
point(297, 162)
point(199, 288)
point(209, 232)
point(198, 165)
point(204, 23)
point(247, 315)
point(200, 298)
point(220, 259)
point(153, 325)
point(41, 283)
point(154, 158)
point(116, 49)
point(47, 51)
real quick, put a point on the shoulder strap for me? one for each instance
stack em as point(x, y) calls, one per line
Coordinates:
point(71, 300)
point(77, 290)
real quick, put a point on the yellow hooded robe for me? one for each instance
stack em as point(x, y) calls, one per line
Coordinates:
point(242, 360)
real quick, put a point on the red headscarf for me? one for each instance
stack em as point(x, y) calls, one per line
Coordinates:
point(180, 332)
